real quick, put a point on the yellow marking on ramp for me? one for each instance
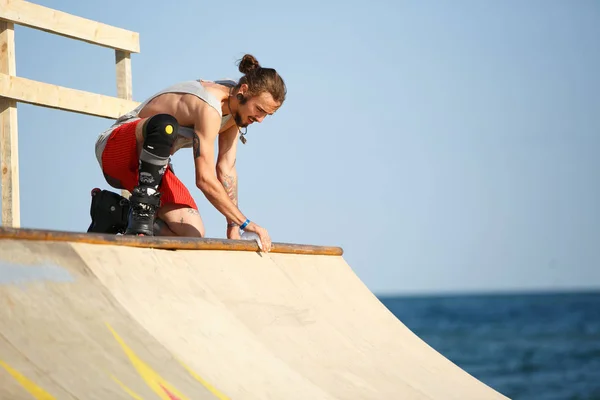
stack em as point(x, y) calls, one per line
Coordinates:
point(204, 383)
point(37, 392)
point(160, 386)
point(126, 389)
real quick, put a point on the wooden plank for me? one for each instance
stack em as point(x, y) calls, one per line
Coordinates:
point(53, 21)
point(124, 81)
point(160, 242)
point(9, 154)
point(62, 98)
point(124, 85)
point(9, 150)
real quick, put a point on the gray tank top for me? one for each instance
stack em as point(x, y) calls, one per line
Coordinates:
point(184, 134)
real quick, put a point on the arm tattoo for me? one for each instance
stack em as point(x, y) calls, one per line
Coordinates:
point(230, 184)
point(196, 145)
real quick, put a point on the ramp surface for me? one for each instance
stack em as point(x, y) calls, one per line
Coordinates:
point(106, 320)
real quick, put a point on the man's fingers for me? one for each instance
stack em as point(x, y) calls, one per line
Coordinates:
point(266, 240)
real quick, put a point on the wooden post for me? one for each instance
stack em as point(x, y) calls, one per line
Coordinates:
point(124, 84)
point(9, 150)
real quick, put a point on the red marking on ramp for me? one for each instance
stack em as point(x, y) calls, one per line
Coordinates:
point(171, 395)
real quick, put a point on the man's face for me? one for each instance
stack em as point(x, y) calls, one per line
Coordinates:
point(255, 109)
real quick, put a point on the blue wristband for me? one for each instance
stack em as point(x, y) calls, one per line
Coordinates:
point(245, 224)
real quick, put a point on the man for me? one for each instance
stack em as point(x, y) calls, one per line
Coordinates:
point(134, 153)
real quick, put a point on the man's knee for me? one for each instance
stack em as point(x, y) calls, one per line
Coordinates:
point(182, 220)
point(159, 132)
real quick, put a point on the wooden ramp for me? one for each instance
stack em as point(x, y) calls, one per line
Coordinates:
point(93, 317)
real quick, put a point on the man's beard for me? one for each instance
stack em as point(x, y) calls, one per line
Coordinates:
point(238, 120)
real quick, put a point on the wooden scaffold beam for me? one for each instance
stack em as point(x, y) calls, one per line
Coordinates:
point(14, 89)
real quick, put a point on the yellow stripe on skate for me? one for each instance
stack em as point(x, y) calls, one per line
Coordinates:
point(130, 392)
point(158, 384)
point(204, 383)
point(37, 392)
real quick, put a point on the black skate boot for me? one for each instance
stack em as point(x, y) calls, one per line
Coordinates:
point(108, 212)
point(144, 202)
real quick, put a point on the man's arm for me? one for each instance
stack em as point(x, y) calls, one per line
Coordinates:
point(206, 127)
point(226, 171)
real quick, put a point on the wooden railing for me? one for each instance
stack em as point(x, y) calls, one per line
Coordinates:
point(14, 89)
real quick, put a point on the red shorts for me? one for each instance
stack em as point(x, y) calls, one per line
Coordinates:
point(120, 165)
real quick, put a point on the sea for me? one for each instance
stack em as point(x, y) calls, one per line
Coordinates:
point(530, 346)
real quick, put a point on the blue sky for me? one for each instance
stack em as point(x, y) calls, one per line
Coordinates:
point(445, 146)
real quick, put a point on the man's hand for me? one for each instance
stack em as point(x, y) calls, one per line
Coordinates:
point(265, 239)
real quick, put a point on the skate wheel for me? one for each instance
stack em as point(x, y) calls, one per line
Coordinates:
point(95, 191)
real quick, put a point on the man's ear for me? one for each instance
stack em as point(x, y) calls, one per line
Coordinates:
point(243, 89)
